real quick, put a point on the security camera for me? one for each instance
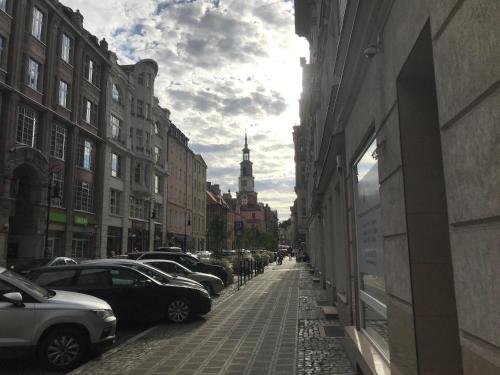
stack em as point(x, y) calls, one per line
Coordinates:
point(371, 51)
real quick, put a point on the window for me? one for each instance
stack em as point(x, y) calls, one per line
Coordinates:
point(63, 94)
point(56, 198)
point(65, 48)
point(137, 173)
point(33, 74)
point(116, 167)
point(115, 94)
point(139, 138)
point(84, 196)
point(148, 80)
point(139, 209)
point(115, 127)
point(89, 112)
point(3, 5)
point(90, 72)
point(26, 126)
point(148, 140)
point(86, 154)
point(37, 25)
point(157, 184)
point(369, 233)
point(93, 277)
point(3, 50)
point(58, 278)
point(157, 154)
point(157, 128)
point(127, 278)
point(58, 142)
point(140, 108)
point(115, 202)
point(158, 212)
point(148, 110)
point(140, 79)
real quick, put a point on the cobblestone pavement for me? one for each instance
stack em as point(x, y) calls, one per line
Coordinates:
point(318, 353)
point(252, 331)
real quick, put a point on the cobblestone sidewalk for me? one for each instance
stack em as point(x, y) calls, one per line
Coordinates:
point(317, 352)
point(262, 329)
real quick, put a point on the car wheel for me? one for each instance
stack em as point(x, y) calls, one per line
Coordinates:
point(208, 287)
point(63, 349)
point(178, 310)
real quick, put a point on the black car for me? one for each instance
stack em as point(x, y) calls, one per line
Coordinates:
point(131, 294)
point(187, 260)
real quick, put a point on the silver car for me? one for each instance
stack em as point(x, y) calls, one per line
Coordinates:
point(211, 283)
point(62, 326)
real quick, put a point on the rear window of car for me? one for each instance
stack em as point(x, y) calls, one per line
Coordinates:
point(53, 279)
point(93, 278)
point(155, 256)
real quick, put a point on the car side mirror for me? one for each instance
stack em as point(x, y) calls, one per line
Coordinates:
point(15, 298)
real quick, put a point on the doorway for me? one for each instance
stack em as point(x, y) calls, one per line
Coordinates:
point(433, 297)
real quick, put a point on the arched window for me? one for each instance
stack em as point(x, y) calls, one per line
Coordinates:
point(116, 94)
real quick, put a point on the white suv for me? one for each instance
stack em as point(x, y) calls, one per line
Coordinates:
point(62, 326)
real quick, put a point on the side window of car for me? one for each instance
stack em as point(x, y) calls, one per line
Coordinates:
point(70, 261)
point(126, 278)
point(59, 278)
point(93, 278)
point(59, 262)
point(187, 261)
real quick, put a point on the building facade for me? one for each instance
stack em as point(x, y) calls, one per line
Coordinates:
point(399, 121)
point(199, 203)
point(135, 173)
point(53, 75)
point(180, 187)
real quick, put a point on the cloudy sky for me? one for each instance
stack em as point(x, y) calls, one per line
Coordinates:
point(226, 66)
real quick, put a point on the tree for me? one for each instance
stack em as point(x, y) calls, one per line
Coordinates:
point(217, 233)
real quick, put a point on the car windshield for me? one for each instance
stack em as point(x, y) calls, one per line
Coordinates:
point(27, 284)
point(190, 261)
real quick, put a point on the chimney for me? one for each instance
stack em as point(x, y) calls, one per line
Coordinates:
point(104, 45)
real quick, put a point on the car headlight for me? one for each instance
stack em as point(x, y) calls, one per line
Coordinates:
point(103, 314)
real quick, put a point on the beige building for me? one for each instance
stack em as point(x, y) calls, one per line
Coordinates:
point(199, 203)
point(399, 129)
point(180, 187)
point(134, 193)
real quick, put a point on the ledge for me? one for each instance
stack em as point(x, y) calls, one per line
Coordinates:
point(362, 352)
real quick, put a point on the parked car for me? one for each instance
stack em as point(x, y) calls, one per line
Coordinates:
point(203, 255)
point(211, 283)
point(132, 294)
point(155, 273)
point(170, 249)
point(23, 266)
point(187, 260)
point(63, 326)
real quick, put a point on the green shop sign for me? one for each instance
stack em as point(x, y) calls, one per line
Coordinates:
point(57, 217)
point(84, 220)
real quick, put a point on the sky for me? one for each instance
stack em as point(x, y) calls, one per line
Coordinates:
point(225, 67)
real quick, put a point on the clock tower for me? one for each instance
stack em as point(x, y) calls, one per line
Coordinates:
point(246, 181)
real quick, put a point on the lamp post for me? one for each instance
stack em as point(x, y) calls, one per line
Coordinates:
point(187, 223)
point(52, 192)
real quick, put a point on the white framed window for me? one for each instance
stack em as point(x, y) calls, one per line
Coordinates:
point(37, 24)
point(90, 70)
point(86, 154)
point(157, 128)
point(157, 154)
point(56, 199)
point(66, 48)
point(80, 248)
point(139, 208)
point(84, 196)
point(115, 202)
point(140, 108)
point(137, 173)
point(33, 74)
point(89, 112)
point(27, 121)
point(115, 123)
point(116, 165)
point(63, 94)
point(115, 94)
point(58, 142)
point(369, 241)
point(157, 184)
point(139, 138)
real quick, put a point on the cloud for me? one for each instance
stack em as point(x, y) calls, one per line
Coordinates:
point(225, 67)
